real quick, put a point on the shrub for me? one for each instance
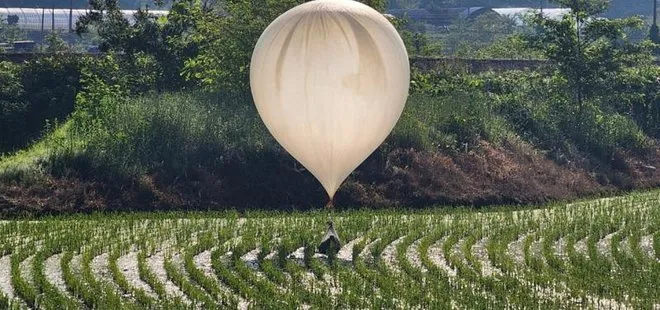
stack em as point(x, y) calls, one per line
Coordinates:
point(13, 111)
point(40, 91)
point(169, 131)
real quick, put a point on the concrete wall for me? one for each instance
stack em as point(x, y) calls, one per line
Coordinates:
point(423, 63)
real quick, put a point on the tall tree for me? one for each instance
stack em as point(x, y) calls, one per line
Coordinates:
point(226, 40)
point(149, 38)
point(588, 51)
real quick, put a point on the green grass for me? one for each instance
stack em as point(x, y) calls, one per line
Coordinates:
point(176, 132)
point(33, 161)
point(620, 276)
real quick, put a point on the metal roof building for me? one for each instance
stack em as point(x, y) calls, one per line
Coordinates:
point(518, 14)
point(35, 19)
point(447, 16)
point(441, 17)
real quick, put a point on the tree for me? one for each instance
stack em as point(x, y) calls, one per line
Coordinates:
point(55, 44)
point(417, 42)
point(468, 35)
point(227, 36)
point(13, 110)
point(587, 51)
point(163, 43)
point(9, 32)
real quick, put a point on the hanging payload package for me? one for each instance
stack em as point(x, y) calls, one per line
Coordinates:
point(330, 243)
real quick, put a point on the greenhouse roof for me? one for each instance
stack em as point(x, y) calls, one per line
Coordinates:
point(36, 18)
point(517, 14)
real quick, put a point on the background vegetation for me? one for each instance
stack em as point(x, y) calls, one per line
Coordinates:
point(165, 119)
point(618, 8)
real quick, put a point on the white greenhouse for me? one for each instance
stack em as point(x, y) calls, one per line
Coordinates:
point(518, 14)
point(36, 19)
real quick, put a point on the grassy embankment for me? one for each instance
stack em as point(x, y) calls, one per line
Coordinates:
point(464, 139)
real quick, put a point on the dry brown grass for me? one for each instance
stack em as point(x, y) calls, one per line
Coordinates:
point(513, 173)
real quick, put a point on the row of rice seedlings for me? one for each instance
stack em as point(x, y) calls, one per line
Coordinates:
point(540, 265)
point(5, 301)
point(656, 245)
point(553, 266)
point(508, 286)
point(626, 262)
point(422, 296)
point(357, 291)
point(462, 292)
point(438, 282)
point(435, 278)
point(10, 304)
point(179, 266)
point(196, 295)
point(102, 293)
point(227, 277)
point(384, 273)
point(591, 275)
point(140, 296)
point(511, 282)
point(309, 289)
point(378, 271)
point(263, 292)
point(548, 270)
point(22, 288)
point(496, 289)
point(148, 277)
point(24, 249)
point(351, 289)
point(366, 265)
point(51, 297)
point(211, 286)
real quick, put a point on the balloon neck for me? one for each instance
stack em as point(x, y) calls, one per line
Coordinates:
point(330, 205)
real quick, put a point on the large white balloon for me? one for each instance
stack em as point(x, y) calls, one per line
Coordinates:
point(330, 79)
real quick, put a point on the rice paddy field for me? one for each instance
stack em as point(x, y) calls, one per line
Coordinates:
point(596, 254)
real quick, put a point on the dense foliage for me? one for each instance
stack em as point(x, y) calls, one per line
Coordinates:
point(37, 92)
point(170, 101)
point(9, 32)
point(618, 8)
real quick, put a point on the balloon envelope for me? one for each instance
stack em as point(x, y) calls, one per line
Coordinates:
point(330, 79)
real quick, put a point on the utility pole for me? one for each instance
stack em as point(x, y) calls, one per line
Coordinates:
point(43, 36)
point(655, 32)
point(43, 15)
point(71, 16)
point(655, 12)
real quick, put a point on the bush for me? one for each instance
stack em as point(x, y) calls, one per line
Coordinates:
point(43, 90)
point(602, 133)
point(40, 91)
point(541, 111)
point(637, 94)
point(13, 111)
point(168, 131)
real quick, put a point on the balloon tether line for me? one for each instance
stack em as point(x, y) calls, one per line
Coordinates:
point(330, 206)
